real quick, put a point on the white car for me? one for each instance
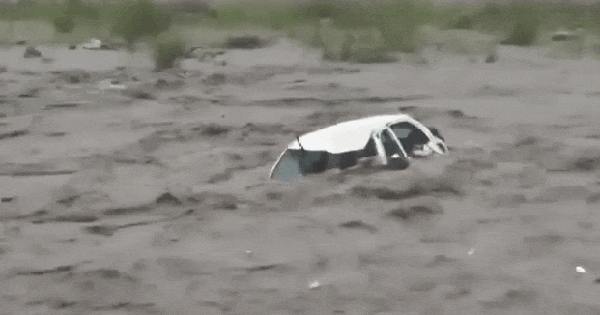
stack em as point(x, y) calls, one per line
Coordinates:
point(393, 139)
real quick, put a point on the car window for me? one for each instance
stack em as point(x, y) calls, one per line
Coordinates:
point(409, 135)
point(403, 129)
point(402, 133)
point(312, 161)
point(391, 147)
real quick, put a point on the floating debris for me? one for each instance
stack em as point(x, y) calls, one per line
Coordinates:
point(314, 285)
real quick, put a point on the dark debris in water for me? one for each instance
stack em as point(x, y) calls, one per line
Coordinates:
point(263, 267)
point(128, 210)
point(385, 193)
point(39, 172)
point(456, 113)
point(105, 230)
point(244, 42)
point(168, 198)
point(266, 128)
point(593, 199)
point(56, 134)
point(212, 130)
point(124, 305)
point(221, 177)
point(61, 105)
point(274, 195)
point(407, 108)
point(78, 218)
point(526, 141)
point(108, 273)
point(440, 260)
point(13, 134)
point(66, 268)
point(358, 224)
point(407, 213)
point(586, 164)
point(62, 304)
point(139, 94)
point(68, 201)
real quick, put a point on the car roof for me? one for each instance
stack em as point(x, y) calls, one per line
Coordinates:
point(348, 136)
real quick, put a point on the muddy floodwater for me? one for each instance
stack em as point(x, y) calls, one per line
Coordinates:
point(154, 198)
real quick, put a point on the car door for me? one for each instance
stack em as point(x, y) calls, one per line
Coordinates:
point(387, 145)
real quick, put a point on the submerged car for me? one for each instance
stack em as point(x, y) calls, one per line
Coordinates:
point(392, 139)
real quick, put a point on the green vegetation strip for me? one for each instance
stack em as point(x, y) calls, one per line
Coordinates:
point(395, 20)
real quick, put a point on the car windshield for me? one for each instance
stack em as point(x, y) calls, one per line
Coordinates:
point(287, 168)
